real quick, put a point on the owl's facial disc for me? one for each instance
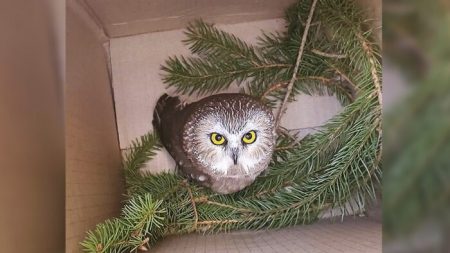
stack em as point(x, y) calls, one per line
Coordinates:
point(226, 150)
point(230, 137)
point(229, 147)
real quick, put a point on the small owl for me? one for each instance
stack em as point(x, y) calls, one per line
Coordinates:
point(223, 141)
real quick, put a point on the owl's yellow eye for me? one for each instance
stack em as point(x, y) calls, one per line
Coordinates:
point(217, 139)
point(249, 137)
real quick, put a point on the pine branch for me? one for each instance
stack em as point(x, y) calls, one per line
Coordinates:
point(313, 153)
point(108, 235)
point(310, 85)
point(206, 40)
point(141, 218)
point(209, 75)
point(141, 151)
point(421, 152)
point(144, 216)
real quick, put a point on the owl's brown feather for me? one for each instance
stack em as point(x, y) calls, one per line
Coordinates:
point(169, 118)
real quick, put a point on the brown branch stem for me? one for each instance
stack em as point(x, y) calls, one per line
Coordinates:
point(328, 55)
point(204, 200)
point(194, 227)
point(324, 80)
point(210, 222)
point(351, 85)
point(280, 85)
point(373, 69)
point(272, 88)
point(297, 65)
point(244, 210)
point(376, 82)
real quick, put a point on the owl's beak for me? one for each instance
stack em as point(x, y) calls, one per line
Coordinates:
point(234, 155)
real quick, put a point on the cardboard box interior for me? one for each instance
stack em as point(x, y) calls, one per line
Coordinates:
point(113, 83)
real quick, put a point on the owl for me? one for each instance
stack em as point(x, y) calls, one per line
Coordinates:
point(223, 141)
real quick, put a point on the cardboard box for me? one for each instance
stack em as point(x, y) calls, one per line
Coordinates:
point(114, 52)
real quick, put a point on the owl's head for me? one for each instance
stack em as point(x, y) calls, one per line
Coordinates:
point(230, 134)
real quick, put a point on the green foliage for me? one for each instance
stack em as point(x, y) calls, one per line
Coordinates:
point(141, 150)
point(306, 177)
point(420, 150)
point(206, 40)
point(141, 223)
point(416, 165)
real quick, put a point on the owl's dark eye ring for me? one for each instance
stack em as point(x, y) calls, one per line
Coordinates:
point(249, 137)
point(217, 139)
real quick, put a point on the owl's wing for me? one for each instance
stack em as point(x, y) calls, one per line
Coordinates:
point(169, 118)
point(168, 123)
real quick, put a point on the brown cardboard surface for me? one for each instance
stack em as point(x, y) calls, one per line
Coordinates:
point(128, 17)
point(353, 235)
point(94, 180)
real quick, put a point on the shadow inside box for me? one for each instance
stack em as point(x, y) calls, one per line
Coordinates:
point(353, 234)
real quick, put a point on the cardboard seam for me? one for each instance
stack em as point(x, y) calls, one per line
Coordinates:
point(93, 16)
point(107, 50)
